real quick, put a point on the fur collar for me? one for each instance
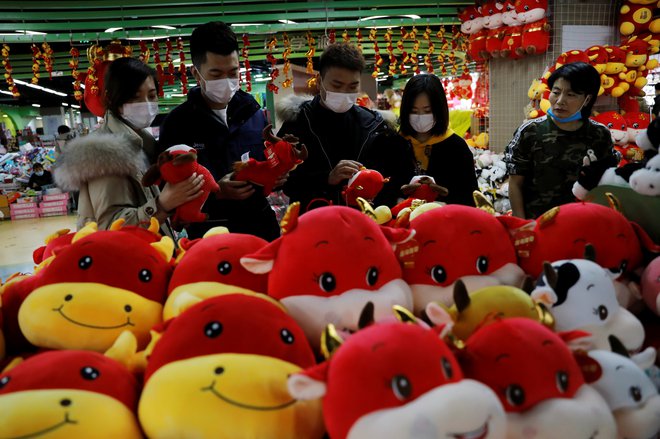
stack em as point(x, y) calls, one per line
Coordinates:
point(289, 108)
point(97, 155)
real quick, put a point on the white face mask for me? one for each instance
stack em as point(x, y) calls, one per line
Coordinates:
point(339, 102)
point(220, 91)
point(140, 114)
point(422, 123)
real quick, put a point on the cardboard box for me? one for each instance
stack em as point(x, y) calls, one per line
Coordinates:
point(6, 213)
point(23, 206)
point(55, 197)
point(57, 209)
point(4, 201)
point(47, 212)
point(23, 215)
point(62, 204)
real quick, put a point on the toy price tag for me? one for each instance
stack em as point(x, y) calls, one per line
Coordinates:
point(245, 157)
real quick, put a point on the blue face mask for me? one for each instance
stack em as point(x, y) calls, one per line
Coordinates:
point(573, 117)
point(39, 173)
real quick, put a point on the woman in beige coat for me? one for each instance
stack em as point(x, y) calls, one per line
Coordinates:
point(107, 165)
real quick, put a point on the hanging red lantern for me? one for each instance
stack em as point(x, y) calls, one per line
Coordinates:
point(428, 58)
point(345, 36)
point(144, 52)
point(378, 60)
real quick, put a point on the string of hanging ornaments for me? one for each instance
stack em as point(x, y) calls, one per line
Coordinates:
point(11, 85)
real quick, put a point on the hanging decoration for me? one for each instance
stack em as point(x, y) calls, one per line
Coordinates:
point(358, 35)
point(346, 37)
point(274, 71)
point(144, 52)
point(378, 60)
point(170, 62)
point(48, 58)
point(99, 58)
point(332, 36)
point(182, 66)
point(246, 62)
point(286, 70)
point(311, 44)
point(159, 68)
point(405, 58)
point(36, 63)
point(73, 63)
point(428, 58)
point(415, 51)
point(390, 50)
point(8, 70)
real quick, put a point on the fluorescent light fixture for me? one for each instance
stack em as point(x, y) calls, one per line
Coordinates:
point(163, 26)
point(38, 87)
point(377, 17)
point(177, 95)
point(75, 106)
point(247, 24)
point(147, 38)
point(6, 93)
point(39, 117)
point(36, 105)
point(287, 21)
point(112, 29)
point(4, 115)
point(30, 32)
point(267, 78)
point(64, 104)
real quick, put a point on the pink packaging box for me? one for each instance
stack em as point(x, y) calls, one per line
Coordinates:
point(55, 197)
point(49, 204)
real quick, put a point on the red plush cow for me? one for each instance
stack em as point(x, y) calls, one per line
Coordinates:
point(398, 380)
point(220, 370)
point(421, 187)
point(282, 155)
point(211, 266)
point(69, 394)
point(174, 165)
point(536, 30)
point(637, 17)
point(537, 380)
point(366, 183)
point(101, 284)
point(492, 12)
point(328, 264)
point(564, 231)
point(512, 39)
point(616, 124)
point(459, 242)
point(636, 122)
point(472, 24)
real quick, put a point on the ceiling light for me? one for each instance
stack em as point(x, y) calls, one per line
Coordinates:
point(39, 117)
point(112, 29)
point(38, 87)
point(36, 105)
point(373, 17)
point(412, 16)
point(75, 106)
point(247, 24)
point(4, 115)
point(31, 32)
point(64, 104)
point(6, 92)
point(287, 21)
point(163, 26)
point(377, 17)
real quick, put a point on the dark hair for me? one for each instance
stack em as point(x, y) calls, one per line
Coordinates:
point(123, 79)
point(431, 85)
point(657, 86)
point(37, 165)
point(343, 55)
point(215, 37)
point(63, 129)
point(584, 79)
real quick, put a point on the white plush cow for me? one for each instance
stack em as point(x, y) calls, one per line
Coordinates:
point(629, 392)
point(581, 295)
point(646, 181)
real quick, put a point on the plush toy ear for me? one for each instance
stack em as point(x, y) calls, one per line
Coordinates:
point(262, 261)
point(220, 230)
point(12, 364)
point(577, 340)
point(154, 225)
point(439, 314)
point(645, 239)
point(165, 247)
point(547, 296)
point(89, 228)
point(646, 358)
point(590, 368)
point(38, 254)
point(397, 235)
point(330, 340)
point(184, 158)
point(124, 351)
point(184, 301)
point(309, 384)
point(404, 315)
point(152, 176)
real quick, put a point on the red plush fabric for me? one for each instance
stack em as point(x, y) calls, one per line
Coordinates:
point(81, 370)
point(521, 360)
point(216, 258)
point(233, 323)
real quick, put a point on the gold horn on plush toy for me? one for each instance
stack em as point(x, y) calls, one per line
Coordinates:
point(482, 202)
point(614, 202)
point(403, 315)
point(330, 341)
point(290, 219)
point(89, 228)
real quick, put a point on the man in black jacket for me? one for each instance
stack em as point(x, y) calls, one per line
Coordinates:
point(224, 124)
point(341, 136)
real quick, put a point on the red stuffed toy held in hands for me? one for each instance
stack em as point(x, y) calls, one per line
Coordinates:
point(282, 155)
point(174, 165)
point(366, 183)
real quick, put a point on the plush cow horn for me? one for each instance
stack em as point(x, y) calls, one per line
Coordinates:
point(89, 228)
point(403, 315)
point(56, 235)
point(483, 203)
point(548, 217)
point(590, 252)
point(527, 284)
point(154, 225)
point(367, 209)
point(290, 219)
point(617, 346)
point(366, 316)
point(614, 202)
point(461, 296)
point(330, 341)
point(550, 274)
point(545, 316)
point(268, 135)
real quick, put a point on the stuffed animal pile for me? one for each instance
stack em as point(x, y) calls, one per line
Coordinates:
point(455, 323)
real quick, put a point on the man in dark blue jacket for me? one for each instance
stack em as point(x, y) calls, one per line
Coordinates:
point(224, 124)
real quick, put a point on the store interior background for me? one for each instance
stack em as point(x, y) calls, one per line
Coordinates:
point(64, 25)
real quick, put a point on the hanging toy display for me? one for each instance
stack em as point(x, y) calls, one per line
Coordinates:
point(99, 58)
point(358, 35)
point(345, 36)
point(286, 70)
point(169, 61)
point(47, 54)
point(8, 70)
point(144, 52)
point(390, 50)
point(274, 71)
point(311, 44)
point(36, 63)
point(182, 67)
point(246, 62)
point(428, 58)
point(73, 63)
point(373, 36)
point(159, 68)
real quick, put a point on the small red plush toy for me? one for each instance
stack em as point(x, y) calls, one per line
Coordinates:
point(421, 187)
point(282, 155)
point(175, 164)
point(536, 30)
point(366, 183)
